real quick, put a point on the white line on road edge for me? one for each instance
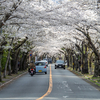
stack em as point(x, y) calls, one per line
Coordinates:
point(48, 98)
point(28, 98)
point(31, 98)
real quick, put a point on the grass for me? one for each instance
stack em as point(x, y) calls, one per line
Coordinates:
point(98, 80)
point(88, 76)
point(92, 81)
point(97, 84)
point(3, 82)
point(95, 80)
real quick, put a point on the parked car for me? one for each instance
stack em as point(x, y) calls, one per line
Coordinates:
point(46, 62)
point(41, 67)
point(59, 64)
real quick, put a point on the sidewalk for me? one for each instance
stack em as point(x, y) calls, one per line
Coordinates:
point(9, 79)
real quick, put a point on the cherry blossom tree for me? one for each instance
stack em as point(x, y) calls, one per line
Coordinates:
point(48, 25)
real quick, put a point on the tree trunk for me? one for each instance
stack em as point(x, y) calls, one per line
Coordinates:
point(68, 60)
point(90, 66)
point(8, 57)
point(73, 63)
point(9, 67)
point(0, 67)
point(82, 59)
point(77, 64)
point(86, 61)
point(99, 69)
point(90, 58)
point(13, 62)
point(96, 69)
point(16, 61)
point(21, 63)
point(6, 64)
point(24, 61)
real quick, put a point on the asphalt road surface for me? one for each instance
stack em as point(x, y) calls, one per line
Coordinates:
point(57, 84)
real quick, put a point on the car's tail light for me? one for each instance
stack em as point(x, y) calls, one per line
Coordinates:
point(45, 67)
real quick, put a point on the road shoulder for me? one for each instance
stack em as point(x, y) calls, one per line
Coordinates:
point(84, 78)
point(9, 79)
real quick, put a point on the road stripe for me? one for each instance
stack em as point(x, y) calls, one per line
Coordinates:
point(50, 86)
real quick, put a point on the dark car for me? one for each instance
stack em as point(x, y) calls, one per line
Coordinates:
point(59, 64)
point(49, 60)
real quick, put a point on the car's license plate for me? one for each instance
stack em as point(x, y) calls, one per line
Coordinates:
point(40, 71)
point(59, 66)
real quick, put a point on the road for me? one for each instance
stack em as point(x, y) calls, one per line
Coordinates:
point(57, 84)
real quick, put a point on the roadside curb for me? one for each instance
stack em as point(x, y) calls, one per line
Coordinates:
point(10, 80)
point(87, 80)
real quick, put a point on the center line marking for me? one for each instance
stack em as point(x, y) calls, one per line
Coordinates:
point(50, 86)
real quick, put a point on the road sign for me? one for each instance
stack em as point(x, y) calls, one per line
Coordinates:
point(30, 54)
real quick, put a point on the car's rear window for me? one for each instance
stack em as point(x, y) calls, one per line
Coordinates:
point(40, 63)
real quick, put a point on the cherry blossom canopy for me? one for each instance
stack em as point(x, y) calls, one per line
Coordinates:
point(49, 24)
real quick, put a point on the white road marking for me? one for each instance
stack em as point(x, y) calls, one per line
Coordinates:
point(90, 88)
point(66, 85)
point(65, 96)
point(25, 98)
point(47, 98)
point(29, 98)
point(79, 88)
point(70, 90)
point(64, 81)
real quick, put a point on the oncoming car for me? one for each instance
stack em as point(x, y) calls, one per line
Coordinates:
point(41, 67)
point(60, 64)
